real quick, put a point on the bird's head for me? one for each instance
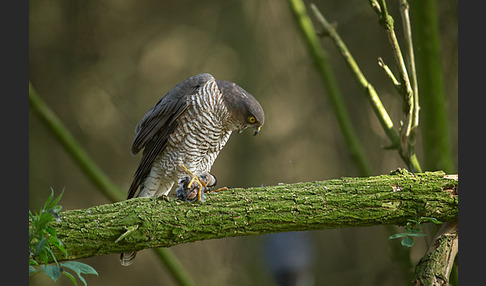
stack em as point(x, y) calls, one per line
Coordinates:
point(244, 110)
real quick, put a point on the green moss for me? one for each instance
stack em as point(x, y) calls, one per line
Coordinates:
point(338, 203)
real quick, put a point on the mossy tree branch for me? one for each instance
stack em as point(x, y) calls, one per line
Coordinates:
point(143, 223)
point(436, 266)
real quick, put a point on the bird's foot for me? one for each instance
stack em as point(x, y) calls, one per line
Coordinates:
point(186, 193)
point(193, 187)
point(218, 190)
point(196, 191)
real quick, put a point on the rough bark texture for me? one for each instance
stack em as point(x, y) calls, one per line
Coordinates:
point(435, 267)
point(142, 223)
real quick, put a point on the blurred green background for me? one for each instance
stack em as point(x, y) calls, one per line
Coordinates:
point(100, 65)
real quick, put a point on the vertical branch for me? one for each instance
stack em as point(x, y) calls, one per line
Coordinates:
point(434, 121)
point(320, 59)
point(407, 85)
point(436, 266)
point(174, 266)
point(404, 10)
point(410, 60)
point(380, 111)
point(434, 118)
point(388, 23)
point(407, 146)
point(377, 105)
point(74, 149)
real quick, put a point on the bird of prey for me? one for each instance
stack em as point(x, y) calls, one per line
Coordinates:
point(184, 132)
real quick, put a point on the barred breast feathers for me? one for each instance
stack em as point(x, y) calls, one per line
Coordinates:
point(202, 132)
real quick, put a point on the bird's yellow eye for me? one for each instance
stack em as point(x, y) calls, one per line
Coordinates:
point(251, 119)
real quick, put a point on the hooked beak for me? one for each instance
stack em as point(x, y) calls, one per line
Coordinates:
point(257, 130)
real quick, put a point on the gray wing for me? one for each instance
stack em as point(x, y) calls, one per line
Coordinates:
point(153, 131)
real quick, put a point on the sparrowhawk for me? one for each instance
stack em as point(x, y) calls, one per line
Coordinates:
point(184, 132)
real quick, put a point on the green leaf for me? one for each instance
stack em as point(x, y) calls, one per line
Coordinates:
point(54, 203)
point(44, 219)
point(48, 250)
point(430, 219)
point(409, 227)
point(40, 246)
point(33, 262)
point(79, 268)
point(43, 257)
point(51, 231)
point(32, 270)
point(70, 276)
point(55, 210)
point(53, 240)
point(415, 230)
point(412, 221)
point(48, 201)
point(62, 249)
point(53, 271)
point(408, 241)
point(398, 235)
point(417, 234)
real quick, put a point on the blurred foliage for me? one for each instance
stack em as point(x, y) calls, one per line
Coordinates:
point(100, 65)
point(43, 239)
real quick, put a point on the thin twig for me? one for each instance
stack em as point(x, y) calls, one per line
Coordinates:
point(410, 60)
point(408, 95)
point(388, 23)
point(374, 4)
point(398, 141)
point(390, 74)
point(377, 105)
point(320, 58)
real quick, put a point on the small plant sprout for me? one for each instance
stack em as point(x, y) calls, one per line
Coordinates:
point(413, 229)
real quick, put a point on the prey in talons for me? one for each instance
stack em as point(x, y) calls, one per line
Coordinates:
point(192, 187)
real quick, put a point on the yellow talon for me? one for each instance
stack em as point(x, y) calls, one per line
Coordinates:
point(196, 179)
point(220, 190)
point(200, 184)
point(199, 195)
point(185, 169)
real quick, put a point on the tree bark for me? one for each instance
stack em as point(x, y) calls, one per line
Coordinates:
point(435, 267)
point(142, 223)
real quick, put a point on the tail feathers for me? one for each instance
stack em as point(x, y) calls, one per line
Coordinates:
point(127, 258)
